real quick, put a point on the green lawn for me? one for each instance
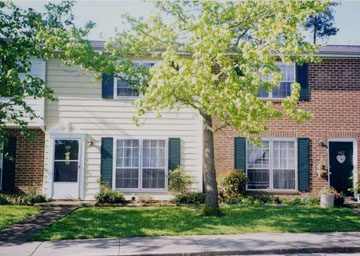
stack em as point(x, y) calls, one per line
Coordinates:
point(171, 221)
point(10, 214)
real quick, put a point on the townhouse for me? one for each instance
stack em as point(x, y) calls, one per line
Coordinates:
point(87, 136)
point(306, 158)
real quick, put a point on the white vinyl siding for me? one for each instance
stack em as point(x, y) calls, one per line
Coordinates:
point(79, 103)
point(38, 69)
point(272, 166)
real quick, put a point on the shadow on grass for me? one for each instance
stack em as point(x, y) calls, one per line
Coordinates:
point(158, 221)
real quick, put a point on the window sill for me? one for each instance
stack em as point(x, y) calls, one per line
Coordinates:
point(127, 98)
point(273, 192)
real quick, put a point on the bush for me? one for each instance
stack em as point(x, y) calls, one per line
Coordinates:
point(22, 199)
point(4, 199)
point(107, 195)
point(232, 185)
point(179, 181)
point(339, 199)
point(308, 200)
point(189, 198)
point(266, 199)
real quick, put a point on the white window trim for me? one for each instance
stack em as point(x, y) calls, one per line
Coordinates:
point(130, 98)
point(271, 164)
point(140, 189)
point(81, 173)
point(270, 92)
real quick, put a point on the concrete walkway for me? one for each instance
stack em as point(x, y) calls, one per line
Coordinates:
point(284, 243)
point(21, 231)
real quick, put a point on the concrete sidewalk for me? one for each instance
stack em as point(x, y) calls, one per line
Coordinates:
point(284, 243)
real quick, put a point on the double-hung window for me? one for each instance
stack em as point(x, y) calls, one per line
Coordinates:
point(125, 87)
point(284, 90)
point(272, 166)
point(140, 164)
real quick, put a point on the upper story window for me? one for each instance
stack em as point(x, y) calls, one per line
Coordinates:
point(284, 90)
point(126, 88)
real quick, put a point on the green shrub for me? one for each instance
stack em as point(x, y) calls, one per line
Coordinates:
point(189, 198)
point(247, 200)
point(21, 199)
point(107, 195)
point(308, 200)
point(4, 199)
point(339, 199)
point(179, 181)
point(266, 199)
point(232, 185)
point(295, 201)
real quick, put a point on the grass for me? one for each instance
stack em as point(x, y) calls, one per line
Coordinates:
point(109, 222)
point(10, 214)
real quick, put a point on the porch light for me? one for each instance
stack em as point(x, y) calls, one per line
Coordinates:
point(322, 144)
point(90, 143)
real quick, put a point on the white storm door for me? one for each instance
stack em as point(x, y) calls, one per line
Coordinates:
point(66, 168)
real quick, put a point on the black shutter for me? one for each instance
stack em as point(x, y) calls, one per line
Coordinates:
point(174, 153)
point(106, 161)
point(8, 178)
point(240, 153)
point(303, 164)
point(302, 77)
point(107, 86)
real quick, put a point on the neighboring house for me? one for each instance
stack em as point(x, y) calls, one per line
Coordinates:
point(305, 158)
point(22, 164)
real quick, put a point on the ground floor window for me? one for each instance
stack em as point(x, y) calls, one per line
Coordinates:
point(272, 165)
point(140, 164)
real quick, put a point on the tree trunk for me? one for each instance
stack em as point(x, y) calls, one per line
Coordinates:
point(211, 199)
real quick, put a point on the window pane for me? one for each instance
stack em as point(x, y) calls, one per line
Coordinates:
point(66, 150)
point(127, 154)
point(283, 91)
point(127, 178)
point(153, 178)
point(259, 179)
point(124, 88)
point(284, 179)
point(65, 171)
point(258, 157)
point(263, 93)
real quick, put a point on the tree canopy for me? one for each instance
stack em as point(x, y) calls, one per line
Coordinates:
point(213, 58)
point(322, 24)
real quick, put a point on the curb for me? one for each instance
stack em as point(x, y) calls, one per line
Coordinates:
point(258, 252)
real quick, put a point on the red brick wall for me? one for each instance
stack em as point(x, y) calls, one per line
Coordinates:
point(335, 104)
point(29, 163)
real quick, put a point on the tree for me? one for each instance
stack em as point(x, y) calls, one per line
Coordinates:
point(27, 33)
point(322, 24)
point(213, 55)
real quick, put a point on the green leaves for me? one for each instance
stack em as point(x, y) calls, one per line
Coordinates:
point(25, 33)
point(209, 42)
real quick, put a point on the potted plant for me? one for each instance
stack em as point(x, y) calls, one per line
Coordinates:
point(356, 190)
point(327, 196)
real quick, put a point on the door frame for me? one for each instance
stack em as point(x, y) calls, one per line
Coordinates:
point(67, 136)
point(354, 143)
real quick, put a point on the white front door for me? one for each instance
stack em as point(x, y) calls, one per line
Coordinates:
point(66, 169)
